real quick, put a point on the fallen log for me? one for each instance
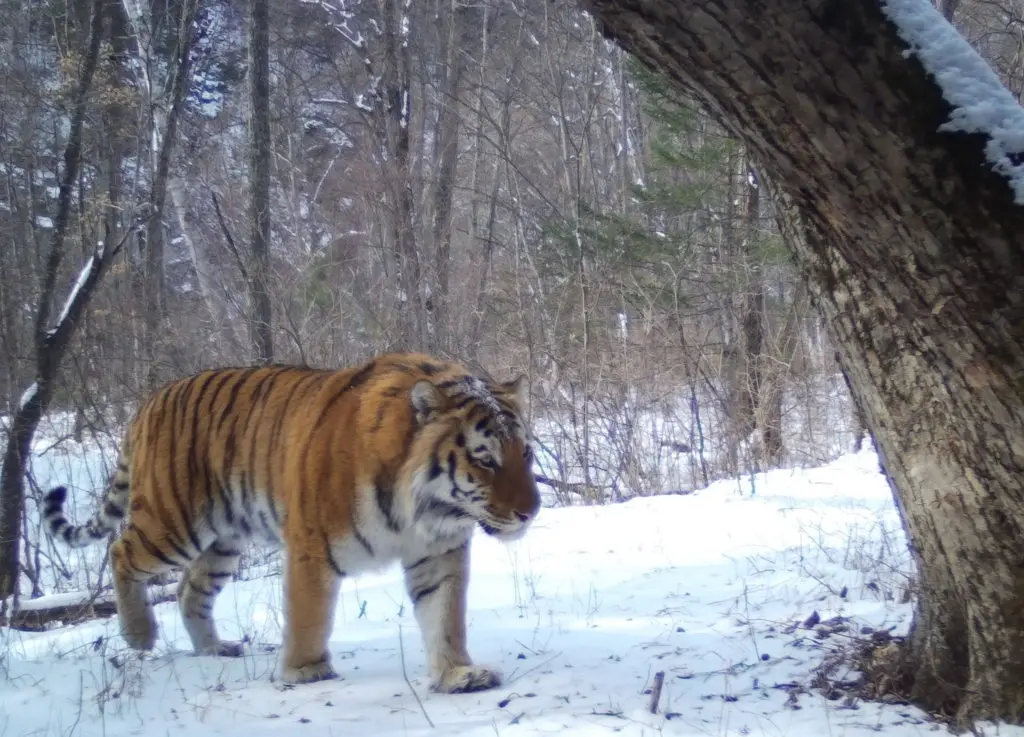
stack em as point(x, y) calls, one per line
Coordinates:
point(34, 615)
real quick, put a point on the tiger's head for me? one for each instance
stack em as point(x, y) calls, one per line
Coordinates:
point(473, 458)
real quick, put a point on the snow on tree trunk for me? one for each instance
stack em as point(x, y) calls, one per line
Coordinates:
point(909, 236)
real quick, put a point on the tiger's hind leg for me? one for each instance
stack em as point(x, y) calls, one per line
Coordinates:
point(203, 580)
point(135, 560)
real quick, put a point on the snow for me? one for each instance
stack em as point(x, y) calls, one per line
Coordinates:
point(709, 588)
point(981, 104)
point(28, 395)
point(83, 276)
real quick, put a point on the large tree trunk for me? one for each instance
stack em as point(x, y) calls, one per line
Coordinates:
point(260, 336)
point(910, 244)
point(457, 46)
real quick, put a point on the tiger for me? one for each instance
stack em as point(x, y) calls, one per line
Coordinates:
point(397, 459)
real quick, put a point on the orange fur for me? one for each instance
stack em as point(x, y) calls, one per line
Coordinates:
point(395, 459)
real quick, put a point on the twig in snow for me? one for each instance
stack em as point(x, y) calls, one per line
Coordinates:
point(750, 625)
point(516, 676)
point(659, 681)
point(405, 675)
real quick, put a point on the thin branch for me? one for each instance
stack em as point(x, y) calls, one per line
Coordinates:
point(405, 675)
point(228, 237)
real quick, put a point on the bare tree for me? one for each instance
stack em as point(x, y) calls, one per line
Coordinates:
point(260, 335)
point(909, 239)
point(52, 335)
point(165, 80)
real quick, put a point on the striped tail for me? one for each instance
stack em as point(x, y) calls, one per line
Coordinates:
point(100, 525)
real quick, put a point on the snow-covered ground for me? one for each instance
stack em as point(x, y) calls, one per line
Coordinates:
point(579, 615)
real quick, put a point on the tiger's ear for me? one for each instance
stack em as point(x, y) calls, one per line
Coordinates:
point(426, 399)
point(517, 388)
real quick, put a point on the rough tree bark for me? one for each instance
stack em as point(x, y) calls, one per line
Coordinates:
point(260, 336)
point(910, 244)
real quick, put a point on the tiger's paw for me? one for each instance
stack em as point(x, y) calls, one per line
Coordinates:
point(467, 678)
point(139, 629)
point(321, 670)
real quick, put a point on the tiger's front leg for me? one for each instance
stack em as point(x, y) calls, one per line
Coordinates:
point(311, 592)
point(437, 586)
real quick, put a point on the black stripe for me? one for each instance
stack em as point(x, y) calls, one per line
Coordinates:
point(130, 557)
point(221, 378)
point(452, 467)
point(246, 492)
point(266, 525)
point(200, 590)
point(161, 511)
point(435, 462)
point(430, 369)
point(330, 558)
point(356, 380)
point(226, 487)
point(184, 508)
point(419, 594)
point(385, 496)
point(259, 397)
point(164, 396)
point(181, 496)
point(242, 379)
point(260, 393)
point(113, 510)
point(274, 439)
point(438, 508)
point(361, 539)
point(203, 381)
point(153, 549)
point(219, 574)
point(229, 510)
point(52, 507)
point(378, 422)
point(417, 564)
point(223, 551)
